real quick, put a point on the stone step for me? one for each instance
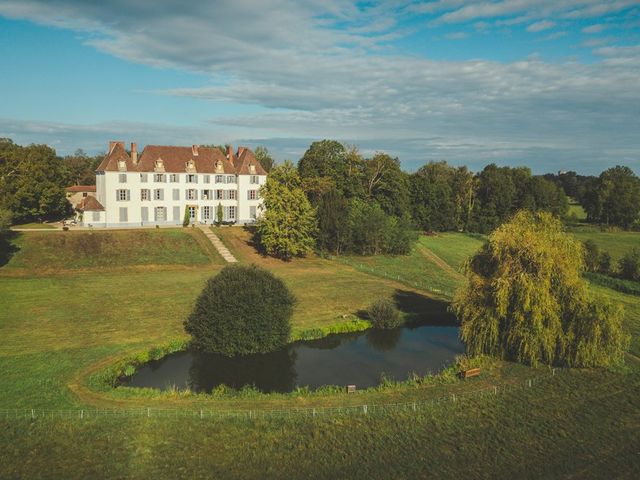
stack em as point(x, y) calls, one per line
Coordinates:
point(219, 246)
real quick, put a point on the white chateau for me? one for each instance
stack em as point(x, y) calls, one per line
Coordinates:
point(158, 186)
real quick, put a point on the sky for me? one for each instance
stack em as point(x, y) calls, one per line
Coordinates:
point(550, 84)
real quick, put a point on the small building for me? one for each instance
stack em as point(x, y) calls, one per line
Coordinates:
point(76, 193)
point(164, 184)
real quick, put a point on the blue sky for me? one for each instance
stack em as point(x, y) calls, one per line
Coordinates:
point(549, 84)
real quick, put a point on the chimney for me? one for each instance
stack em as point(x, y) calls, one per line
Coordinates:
point(230, 153)
point(194, 150)
point(112, 144)
point(134, 153)
point(241, 150)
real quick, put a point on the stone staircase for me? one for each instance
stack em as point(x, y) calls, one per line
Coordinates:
point(213, 238)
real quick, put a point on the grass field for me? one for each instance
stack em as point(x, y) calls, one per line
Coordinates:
point(66, 317)
point(35, 226)
point(616, 243)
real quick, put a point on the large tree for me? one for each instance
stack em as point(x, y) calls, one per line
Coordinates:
point(618, 194)
point(288, 226)
point(264, 157)
point(387, 184)
point(525, 299)
point(32, 181)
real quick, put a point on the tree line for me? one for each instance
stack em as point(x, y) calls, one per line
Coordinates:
point(33, 180)
point(354, 204)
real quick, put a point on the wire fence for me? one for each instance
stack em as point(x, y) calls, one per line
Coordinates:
point(383, 273)
point(307, 412)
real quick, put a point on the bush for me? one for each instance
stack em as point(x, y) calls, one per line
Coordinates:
point(384, 314)
point(591, 256)
point(187, 217)
point(604, 263)
point(629, 265)
point(243, 309)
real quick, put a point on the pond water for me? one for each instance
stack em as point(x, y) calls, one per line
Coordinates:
point(360, 359)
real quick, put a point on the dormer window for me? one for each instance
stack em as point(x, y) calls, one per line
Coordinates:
point(252, 169)
point(219, 166)
point(122, 165)
point(159, 165)
point(190, 166)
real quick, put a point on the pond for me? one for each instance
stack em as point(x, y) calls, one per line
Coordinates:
point(359, 359)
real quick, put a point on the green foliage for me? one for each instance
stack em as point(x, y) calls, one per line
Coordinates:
point(288, 226)
point(354, 325)
point(384, 314)
point(591, 256)
point(32, 181)
point(187, 218)
point(629, 265)
point(374, 232)
point(625, 286)
point(333, 222)
point(387, 184)
point(80, 168)
point(614, 198)
point(525, 299)
point(219, 214)
point(265, 159)
point(243, 309)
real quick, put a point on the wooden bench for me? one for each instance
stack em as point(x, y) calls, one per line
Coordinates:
point(472, 372)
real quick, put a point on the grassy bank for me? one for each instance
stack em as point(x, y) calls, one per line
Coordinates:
point(64, 321)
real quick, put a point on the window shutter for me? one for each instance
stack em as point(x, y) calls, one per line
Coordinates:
point(128, 194)
point(162, 194)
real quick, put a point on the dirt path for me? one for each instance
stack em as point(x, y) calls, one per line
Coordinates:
point(425, 252)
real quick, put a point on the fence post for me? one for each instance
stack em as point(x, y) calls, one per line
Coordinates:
point(495, 390)
point(414, 406)
point(33, 415)
point(314, 413)
point(148, 412)
point(529, 383)
point(81, 414)
point(201, 414)
point(454, 397)
point(553, 372)
point(364, 409)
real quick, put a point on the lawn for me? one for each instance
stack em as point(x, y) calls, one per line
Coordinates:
point(36, 226)
point(52, 251)
point(616, 243)
point(66, 317)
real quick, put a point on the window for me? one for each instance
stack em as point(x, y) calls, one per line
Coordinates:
point(122, 195)
point(206, 179)
point(176, 194)
point(124, 217)
point(145, 194)
point(206, 195)
point(176, 214)
point(192, 194)
point(231, 213)
point(191, 178)
point(254, 179)
point(144, 214)
point(143, 178)
point(158, 194)
point(206, 213)
point(122, 177)
point(174, 178)
point(252, 212)
point(159, 177)
point(192, 214)
point(252, 194)
point(96, 216)
point(219, 178)
point(161, 214)
point(233, 195)
point(231, 179)
point(219, 194)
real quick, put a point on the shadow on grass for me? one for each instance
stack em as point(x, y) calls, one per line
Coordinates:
point(7, 246)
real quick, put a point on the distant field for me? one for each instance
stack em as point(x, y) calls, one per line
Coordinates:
point(576, 211)
point(453, 248)
point(616, 243)
point(81, 249)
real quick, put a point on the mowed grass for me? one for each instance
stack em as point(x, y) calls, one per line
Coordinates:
point(49, 251)
point(59, 325)
point(35, 226)
point(616, 243)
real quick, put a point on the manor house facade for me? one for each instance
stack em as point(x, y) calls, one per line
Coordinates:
point(164, 183)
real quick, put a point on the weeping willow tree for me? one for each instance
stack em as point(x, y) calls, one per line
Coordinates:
point(525, 299)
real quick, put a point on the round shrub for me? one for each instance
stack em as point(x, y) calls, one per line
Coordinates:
point(243, 309)
point(384, 314)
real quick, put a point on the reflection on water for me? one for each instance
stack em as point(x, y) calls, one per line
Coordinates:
point(353, 358)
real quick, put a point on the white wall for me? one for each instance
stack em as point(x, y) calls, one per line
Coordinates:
point(108, 188)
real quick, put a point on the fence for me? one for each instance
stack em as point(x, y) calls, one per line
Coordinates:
point(383, 273)
point(310, 412)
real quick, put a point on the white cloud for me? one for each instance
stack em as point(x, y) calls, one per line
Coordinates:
point(597, 28)
point(317, 79)
point(540, 26)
